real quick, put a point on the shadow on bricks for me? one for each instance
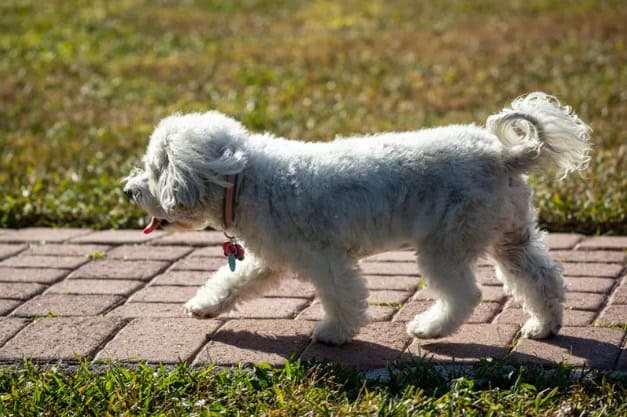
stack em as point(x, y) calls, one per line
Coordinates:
point(357, 353)
point(574, 350)
point(458, 352)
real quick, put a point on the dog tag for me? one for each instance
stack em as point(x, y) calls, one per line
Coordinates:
point(232, 262)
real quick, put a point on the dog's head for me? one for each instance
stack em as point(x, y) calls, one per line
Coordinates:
point(183, 181)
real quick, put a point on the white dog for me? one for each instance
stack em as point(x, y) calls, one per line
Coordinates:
point(454, 193)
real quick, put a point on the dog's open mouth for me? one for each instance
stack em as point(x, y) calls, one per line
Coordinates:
point(154, 223)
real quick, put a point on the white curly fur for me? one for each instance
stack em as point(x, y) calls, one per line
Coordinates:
point(454, 193)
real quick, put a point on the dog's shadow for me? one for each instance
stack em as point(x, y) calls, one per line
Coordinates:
point(368, 355)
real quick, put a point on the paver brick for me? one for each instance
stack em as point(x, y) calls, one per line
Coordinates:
point(116, 269)
point(66, 249)
point(562, 240)
point(53, 262)
point(486, 275)
point(253, 341)
point(117, 237)
point(67, 305)
point(20, 290)
point(200, 264)
point(592, 269)
point(131, 310)
point(593, 346)
point(571, 317)
point(596, 285)
point(156, 253)
point(41, 234)
point(291, 287)
point(164, 294)
point(620, 294)
point(44, 276)
point(389, 268)
point(613, 315)
point(7, 305)
point(95, 286)
point(397, 256)
point(213, 251)
point(162, 340)
point(604, 242)
point(59, 338)
point(388, 297)
point(390, 282)
point(488, 293)
point(182, 278)
point(267, 308)
point(579, 301)
point(191, 239)
point(376, 346)
point(9, 326)
point(588, 256)
point(584, 301)
point(483, 313)
point(469, 344)
point(315, 312)
point(7, 250)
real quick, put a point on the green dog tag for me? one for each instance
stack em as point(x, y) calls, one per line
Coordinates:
point(232, 262)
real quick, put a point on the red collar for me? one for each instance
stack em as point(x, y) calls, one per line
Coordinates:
point(229, 200)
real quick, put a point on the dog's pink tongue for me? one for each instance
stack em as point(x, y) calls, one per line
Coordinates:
point(154, 223)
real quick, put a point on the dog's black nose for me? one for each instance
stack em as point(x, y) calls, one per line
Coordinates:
point(129, 194)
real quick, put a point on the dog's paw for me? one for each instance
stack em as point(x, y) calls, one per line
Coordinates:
point(535, 329)
point(433, 323)
point(331, 332)
point(424, 329)
point(203, 305)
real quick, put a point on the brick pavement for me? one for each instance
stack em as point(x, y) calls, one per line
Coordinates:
point(117, 296)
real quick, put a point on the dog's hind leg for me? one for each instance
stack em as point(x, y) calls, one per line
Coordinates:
point(344, 297)
point(530, 275)
point(226, 288)
point(451, 279)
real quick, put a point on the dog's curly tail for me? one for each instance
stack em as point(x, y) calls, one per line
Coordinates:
point(539, 134)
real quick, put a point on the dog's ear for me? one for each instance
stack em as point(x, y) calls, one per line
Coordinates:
point(190, 153)
point(178, 188)
point(187, 176)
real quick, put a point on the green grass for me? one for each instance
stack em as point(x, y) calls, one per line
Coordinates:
point(489, 389)
point(84, 82)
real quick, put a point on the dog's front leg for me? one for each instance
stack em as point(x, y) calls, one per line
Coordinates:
point(343, 295)
point(226, 288)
